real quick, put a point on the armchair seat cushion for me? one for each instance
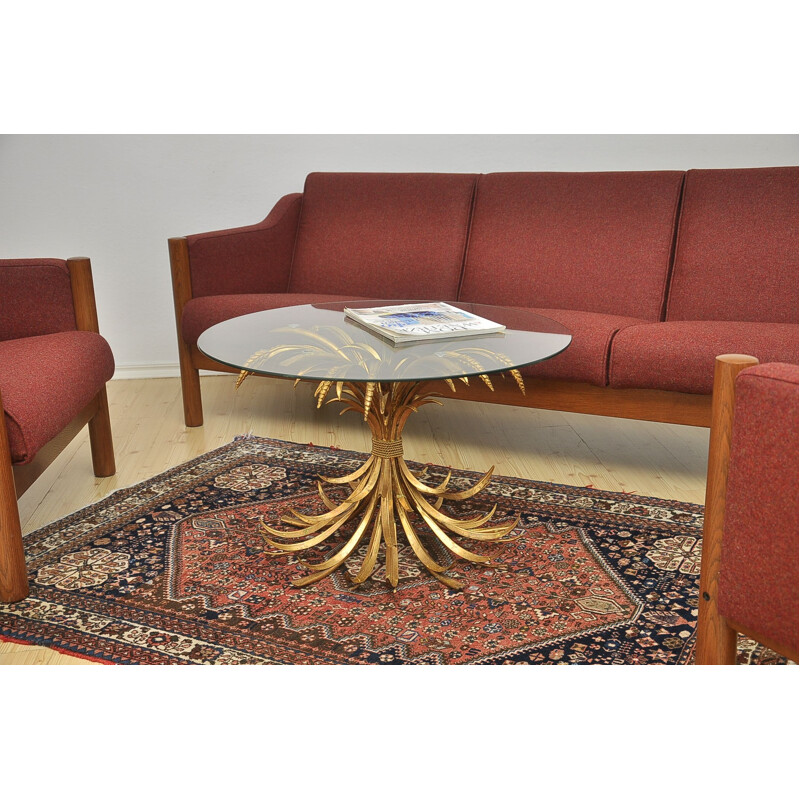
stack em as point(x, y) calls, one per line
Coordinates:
point(201, 313)
point(679, 356)
point(45, 381)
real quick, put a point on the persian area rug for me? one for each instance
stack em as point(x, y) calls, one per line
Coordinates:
point(175, 571)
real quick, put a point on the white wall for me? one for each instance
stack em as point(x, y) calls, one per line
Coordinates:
point(118, 198)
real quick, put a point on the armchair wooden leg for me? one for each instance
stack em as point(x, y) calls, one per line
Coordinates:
point(716, 641)
point(13, 574)
point(100, 438)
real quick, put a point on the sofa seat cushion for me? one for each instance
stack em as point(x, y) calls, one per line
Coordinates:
point(586, 358)
point(759, 559)
point(597, 242)
point(394, 235)
point(679, 356)
point(45, 381)
point(201, 313)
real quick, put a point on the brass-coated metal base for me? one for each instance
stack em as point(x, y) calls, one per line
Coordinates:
point(384, 491)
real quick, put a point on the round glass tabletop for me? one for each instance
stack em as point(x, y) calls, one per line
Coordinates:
point(317, 342)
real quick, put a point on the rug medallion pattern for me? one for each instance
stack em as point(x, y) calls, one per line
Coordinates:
point(174, 571)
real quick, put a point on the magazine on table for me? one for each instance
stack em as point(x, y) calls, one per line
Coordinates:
point(415, 322)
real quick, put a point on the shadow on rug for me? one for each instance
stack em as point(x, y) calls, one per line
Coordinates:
point(174, 571)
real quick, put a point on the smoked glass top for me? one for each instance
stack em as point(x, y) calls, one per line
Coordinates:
point(318, 342)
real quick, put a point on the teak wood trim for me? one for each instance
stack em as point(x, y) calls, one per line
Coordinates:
point(83, 301)
point(716, 639)
point(182, 293)
point(652, 405)
point(13, 573)
point(85, 306)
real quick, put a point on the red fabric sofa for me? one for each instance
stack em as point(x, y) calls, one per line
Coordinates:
point(654, 273)
point(54, 366)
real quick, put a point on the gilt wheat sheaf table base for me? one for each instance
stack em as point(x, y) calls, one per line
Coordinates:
point(383, 492)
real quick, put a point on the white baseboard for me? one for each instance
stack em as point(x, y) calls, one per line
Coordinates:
point(131, 371)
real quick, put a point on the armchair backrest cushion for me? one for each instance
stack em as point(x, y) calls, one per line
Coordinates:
point(392, 235)
point(759, 559)
point(585, 241)
point(736, 252)
point(35, 298)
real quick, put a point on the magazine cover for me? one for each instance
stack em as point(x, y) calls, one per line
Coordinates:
point(418, 321)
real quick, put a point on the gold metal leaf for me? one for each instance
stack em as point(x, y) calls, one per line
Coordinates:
point(515, 373)
point(322, 392)
point(368, 397)
point(384, 396)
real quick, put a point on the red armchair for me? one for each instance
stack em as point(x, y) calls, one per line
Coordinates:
point(749, 567)
point(54, 366)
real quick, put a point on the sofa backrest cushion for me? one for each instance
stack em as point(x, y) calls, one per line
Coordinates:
point(736, 252)
point(585, 241)
point(393, 235)
point(35, 298)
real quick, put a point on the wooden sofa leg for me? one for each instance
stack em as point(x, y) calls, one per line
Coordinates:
point(13, 574)
point(181, 294)
point(100, 438)
point(192, 399)
point(716, 641)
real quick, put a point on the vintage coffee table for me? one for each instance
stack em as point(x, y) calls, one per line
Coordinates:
point(385, 383)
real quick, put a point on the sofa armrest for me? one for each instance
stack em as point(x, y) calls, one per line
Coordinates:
point(35, 298)
point(251, 259)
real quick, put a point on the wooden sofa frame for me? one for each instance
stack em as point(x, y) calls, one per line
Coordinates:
point(15, 480)
point(654, 405)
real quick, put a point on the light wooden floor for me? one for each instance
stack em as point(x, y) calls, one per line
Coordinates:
point(647, 458)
